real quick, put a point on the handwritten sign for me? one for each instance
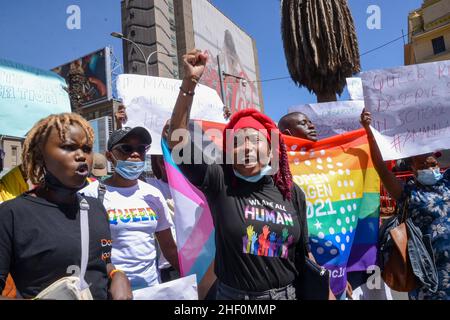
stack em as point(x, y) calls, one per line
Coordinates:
point(150, 102)
point(410, 108)
point(355, 88)
point(333, 118)
point(28, 94)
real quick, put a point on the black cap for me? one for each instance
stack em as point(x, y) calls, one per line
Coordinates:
point(121, 134)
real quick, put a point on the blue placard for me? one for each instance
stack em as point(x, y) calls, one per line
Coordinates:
point(28, 94)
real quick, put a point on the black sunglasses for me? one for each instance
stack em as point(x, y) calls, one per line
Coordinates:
point(126, 148)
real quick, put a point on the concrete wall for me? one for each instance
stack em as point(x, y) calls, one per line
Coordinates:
point(433, 13)
point(151, 24)
point(431, 21)
point(423, 45)
point(185, 31)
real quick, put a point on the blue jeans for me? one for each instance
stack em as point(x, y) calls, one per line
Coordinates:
point(225, 292)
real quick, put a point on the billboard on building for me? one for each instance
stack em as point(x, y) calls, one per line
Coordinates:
point(90, 76)
point(231, 48)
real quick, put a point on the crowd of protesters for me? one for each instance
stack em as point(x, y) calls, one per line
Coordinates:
point(130, 221)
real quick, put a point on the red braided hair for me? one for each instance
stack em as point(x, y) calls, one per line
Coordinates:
point(283, 177)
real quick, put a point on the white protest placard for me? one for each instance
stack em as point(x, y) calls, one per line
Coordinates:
point(410, 108)
point(332, 118)
point(149, 102)
point(180, 289)
point(355, 88)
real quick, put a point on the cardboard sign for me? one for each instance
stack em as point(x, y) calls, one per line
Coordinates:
point(333, 118)
point(355, 88)
point(410, 108)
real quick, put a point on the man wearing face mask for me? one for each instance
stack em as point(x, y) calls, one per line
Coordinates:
point(428, 199)
point(137, 211)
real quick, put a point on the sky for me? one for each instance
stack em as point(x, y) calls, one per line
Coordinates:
point(34, 32)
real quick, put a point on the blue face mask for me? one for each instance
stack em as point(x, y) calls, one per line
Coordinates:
point(429, 177)
point(130, 170)
point(264, 171)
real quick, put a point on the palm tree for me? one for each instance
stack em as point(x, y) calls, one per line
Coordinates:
point(320, 45)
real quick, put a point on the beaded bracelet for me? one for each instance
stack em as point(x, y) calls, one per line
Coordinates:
point(187, 93)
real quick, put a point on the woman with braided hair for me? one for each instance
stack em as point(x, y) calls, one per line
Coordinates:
point(41, 230)
point(251, 198)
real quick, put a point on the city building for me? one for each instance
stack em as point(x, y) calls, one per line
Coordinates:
point(429, 33)
point(10, 152)
point(151, 25)
point(100, 109)
point(173, 27)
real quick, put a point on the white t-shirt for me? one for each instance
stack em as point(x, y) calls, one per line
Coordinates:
point(135, 214)
point(161, 186)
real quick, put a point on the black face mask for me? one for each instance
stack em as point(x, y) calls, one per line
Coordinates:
point(52, 183)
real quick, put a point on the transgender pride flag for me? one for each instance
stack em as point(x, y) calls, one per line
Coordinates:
point(194, 226)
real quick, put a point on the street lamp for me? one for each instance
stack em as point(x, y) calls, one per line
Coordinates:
point(146, 58)
point(243, 80)
point(223, 75)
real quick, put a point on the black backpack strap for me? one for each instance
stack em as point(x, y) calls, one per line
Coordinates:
point(101, 190)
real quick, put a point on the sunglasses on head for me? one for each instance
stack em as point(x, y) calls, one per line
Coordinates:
point(126, 148)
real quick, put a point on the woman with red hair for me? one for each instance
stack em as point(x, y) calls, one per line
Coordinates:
point(257, 226)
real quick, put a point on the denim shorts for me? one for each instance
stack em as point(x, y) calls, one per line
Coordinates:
point(225, 292)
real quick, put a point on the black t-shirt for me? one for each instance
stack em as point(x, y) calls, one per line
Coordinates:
point(40, 240)
point(257, 231)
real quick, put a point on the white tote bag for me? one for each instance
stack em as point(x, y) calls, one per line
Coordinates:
point(67, 288)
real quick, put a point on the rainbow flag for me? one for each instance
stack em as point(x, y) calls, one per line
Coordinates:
point(342, 196)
